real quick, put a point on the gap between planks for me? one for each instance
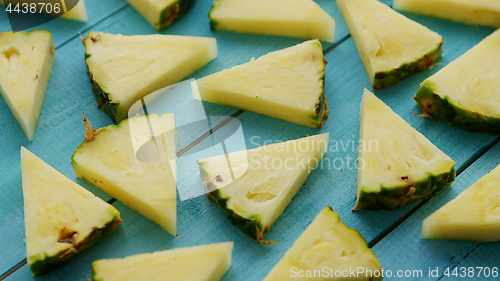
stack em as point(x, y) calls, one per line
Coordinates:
point(372, 243)
point(112, 200)
point(13, 269)
point(184, 150)
point(458, 263)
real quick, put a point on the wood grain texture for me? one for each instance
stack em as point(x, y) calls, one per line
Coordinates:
point(49, 145)
point(199, 220)
point(63, 29)
point(69, 93)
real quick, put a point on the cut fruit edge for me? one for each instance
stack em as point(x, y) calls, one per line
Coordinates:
point(478, 223)
point(326, 229)
point(214, 260)
point(252, 225)
point(390, 78)
point(434, 106)
point(41, 262)
point(126, 196)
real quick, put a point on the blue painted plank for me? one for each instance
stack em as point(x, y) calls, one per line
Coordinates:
point(345, 80)
point(335, 185)
point(328, 186)
point(69, 93)
point(64, 29)
point(200, 221)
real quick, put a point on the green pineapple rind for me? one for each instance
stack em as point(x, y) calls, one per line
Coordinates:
point(392, 77)
point(251, 226)
point(104, 100)
point(213, 23)
point(43, 266)
point(322, 106)
point(440, 108)
point(173, 12)
point(248, 226)
point(389, 198)
point(94, 274)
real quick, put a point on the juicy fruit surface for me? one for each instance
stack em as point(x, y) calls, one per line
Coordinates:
point(123, 69)
point(161, 13)
point(472, 216)
point(198, 263)
point(327, 242)
point(287, 84)
point(468, 87)
point(78, 12)
point(292, 18)
point(252, 191)
point(61, 217)
point(397, 163)
point(476, 12)
point(116, 161)
point(26, 60)
point(388, 41)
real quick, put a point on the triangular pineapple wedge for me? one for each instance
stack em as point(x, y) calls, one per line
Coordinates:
point(466, 92)
point(291, 18)
point(253, 187)
point(26, 60)
point(120, 160)
point(475, 12)
point(198, 263)
point(61, 217)
point(396, 163)
point(124, 69)
point(78, 12)
point(161, 13)
point(288, 84)
point(392, 47)
point(327, 243)
point(472, 216)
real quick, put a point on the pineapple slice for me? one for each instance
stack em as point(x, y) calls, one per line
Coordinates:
point(198, 263)
point(327, 243)
point(475, 12)
point(396, 163)
point(78, 12)
point(161, 13)
point(392, 47)
point(118, 160)
point(61, 217)
point(288, 84)
point(472, 216)
point(292, 18)
point(26, 60)
point(253, 187)
point(123, 69)
point(466, 92)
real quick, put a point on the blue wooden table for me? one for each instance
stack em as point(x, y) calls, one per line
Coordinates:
point(394, 236)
